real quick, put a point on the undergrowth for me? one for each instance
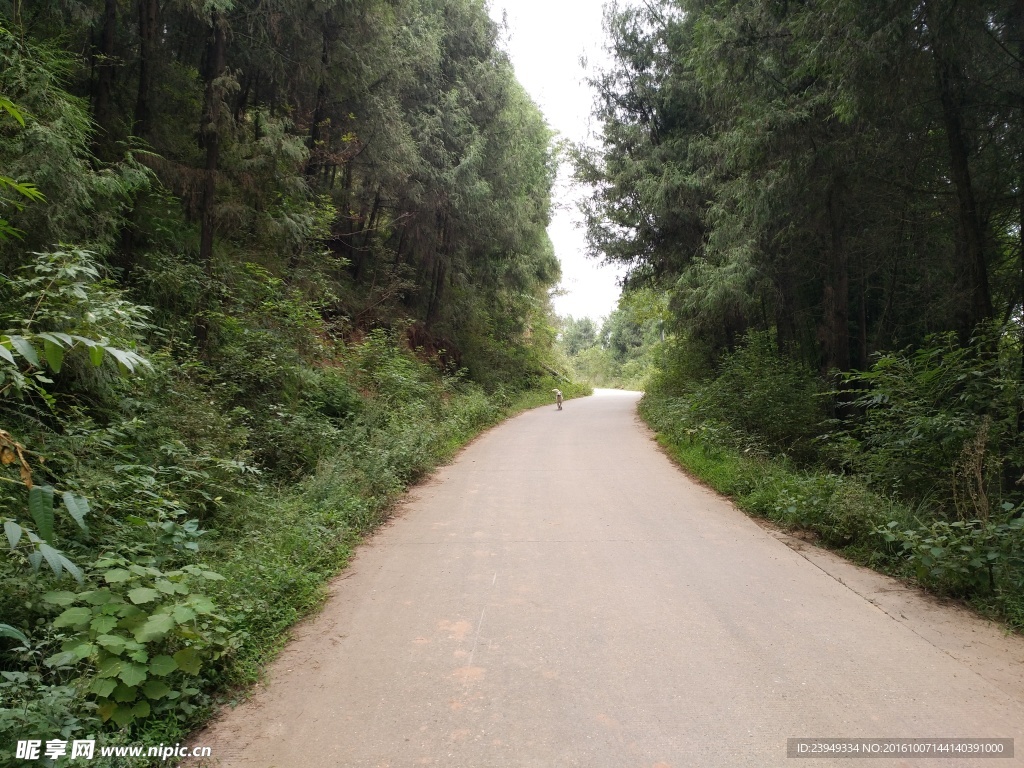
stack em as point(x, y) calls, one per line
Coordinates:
point(979, 561)
point(221, 591)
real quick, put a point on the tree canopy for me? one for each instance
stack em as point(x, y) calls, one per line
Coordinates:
point(846, 173)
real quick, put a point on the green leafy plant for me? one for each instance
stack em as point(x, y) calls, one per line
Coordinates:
point(61, 293)
point(145, 633)
point(965, 556)
point(40, 542)
point(940, 421)
point(767, 395)
point(22, 191)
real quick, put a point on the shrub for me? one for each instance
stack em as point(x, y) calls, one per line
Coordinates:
point(965, 557)
point(940, 423)
point(145, 632)
point(766, 394)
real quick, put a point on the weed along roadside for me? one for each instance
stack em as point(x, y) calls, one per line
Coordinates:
point(976, 562)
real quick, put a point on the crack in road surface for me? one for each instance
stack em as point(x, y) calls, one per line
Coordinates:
point(656, 626)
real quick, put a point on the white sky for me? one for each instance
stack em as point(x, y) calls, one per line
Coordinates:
point(545, 40)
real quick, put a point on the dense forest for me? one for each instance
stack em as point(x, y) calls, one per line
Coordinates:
point(261, 266)
point(828, 198)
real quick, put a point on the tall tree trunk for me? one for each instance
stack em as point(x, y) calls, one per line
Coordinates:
point(970, 227)
point(105, 76)
point(971, 232)
point(320, 108)
point(1017, 18)
point(785, 322)
point(835, 332)
point(149, 20)
point(210, 135)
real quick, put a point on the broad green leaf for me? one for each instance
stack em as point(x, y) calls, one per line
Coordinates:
point(96, 355)
point(126, 360)
point(73, 617)
point(133, 674)
point(103, 624)
point(155, 627)
point(141, 595)
point(53, 558)
point(77, 507)
point(113, 643)
point(97, 596)
point(13, 532)
point(25, 349)
point(106, 710)
point(162, 665)
point(202, 604)
point(131, 616)
point(80, 647)
point(6, 630)
point(5, 353)
point(54, 354)
point(165, 586)
point(59, 598)
point(102, 687)
point(125, 694)
point(183, 614)
point(73, 569)
point(62, 659)
point(122, 715)
point(155, 689)
point(35, 559)
point(73, 651)
point(116, 576)
point(142, 709)
point(40, 506)
point(110, 667)
point(188, 660)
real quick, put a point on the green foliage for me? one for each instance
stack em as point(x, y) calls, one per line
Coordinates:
point(231, 356)
point(966, 557)
point(144, 632)
point(621, 353)
point(32, 709)
point(757, 399)
point(941, 422)
point(578, 335)
point(37, 546)
point(22, 192)
point(77, 315)
point(49, 154)
point(765, 395)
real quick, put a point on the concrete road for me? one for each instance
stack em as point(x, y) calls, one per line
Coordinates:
point(563, 595)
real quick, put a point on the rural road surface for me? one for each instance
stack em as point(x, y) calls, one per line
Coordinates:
point(562, 595)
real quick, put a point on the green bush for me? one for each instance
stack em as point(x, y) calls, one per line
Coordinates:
point(765, 394)
point(144, 632)
point(941, 423)
point(966, 557)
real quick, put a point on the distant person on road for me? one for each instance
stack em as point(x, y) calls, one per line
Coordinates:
point(558, 397)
